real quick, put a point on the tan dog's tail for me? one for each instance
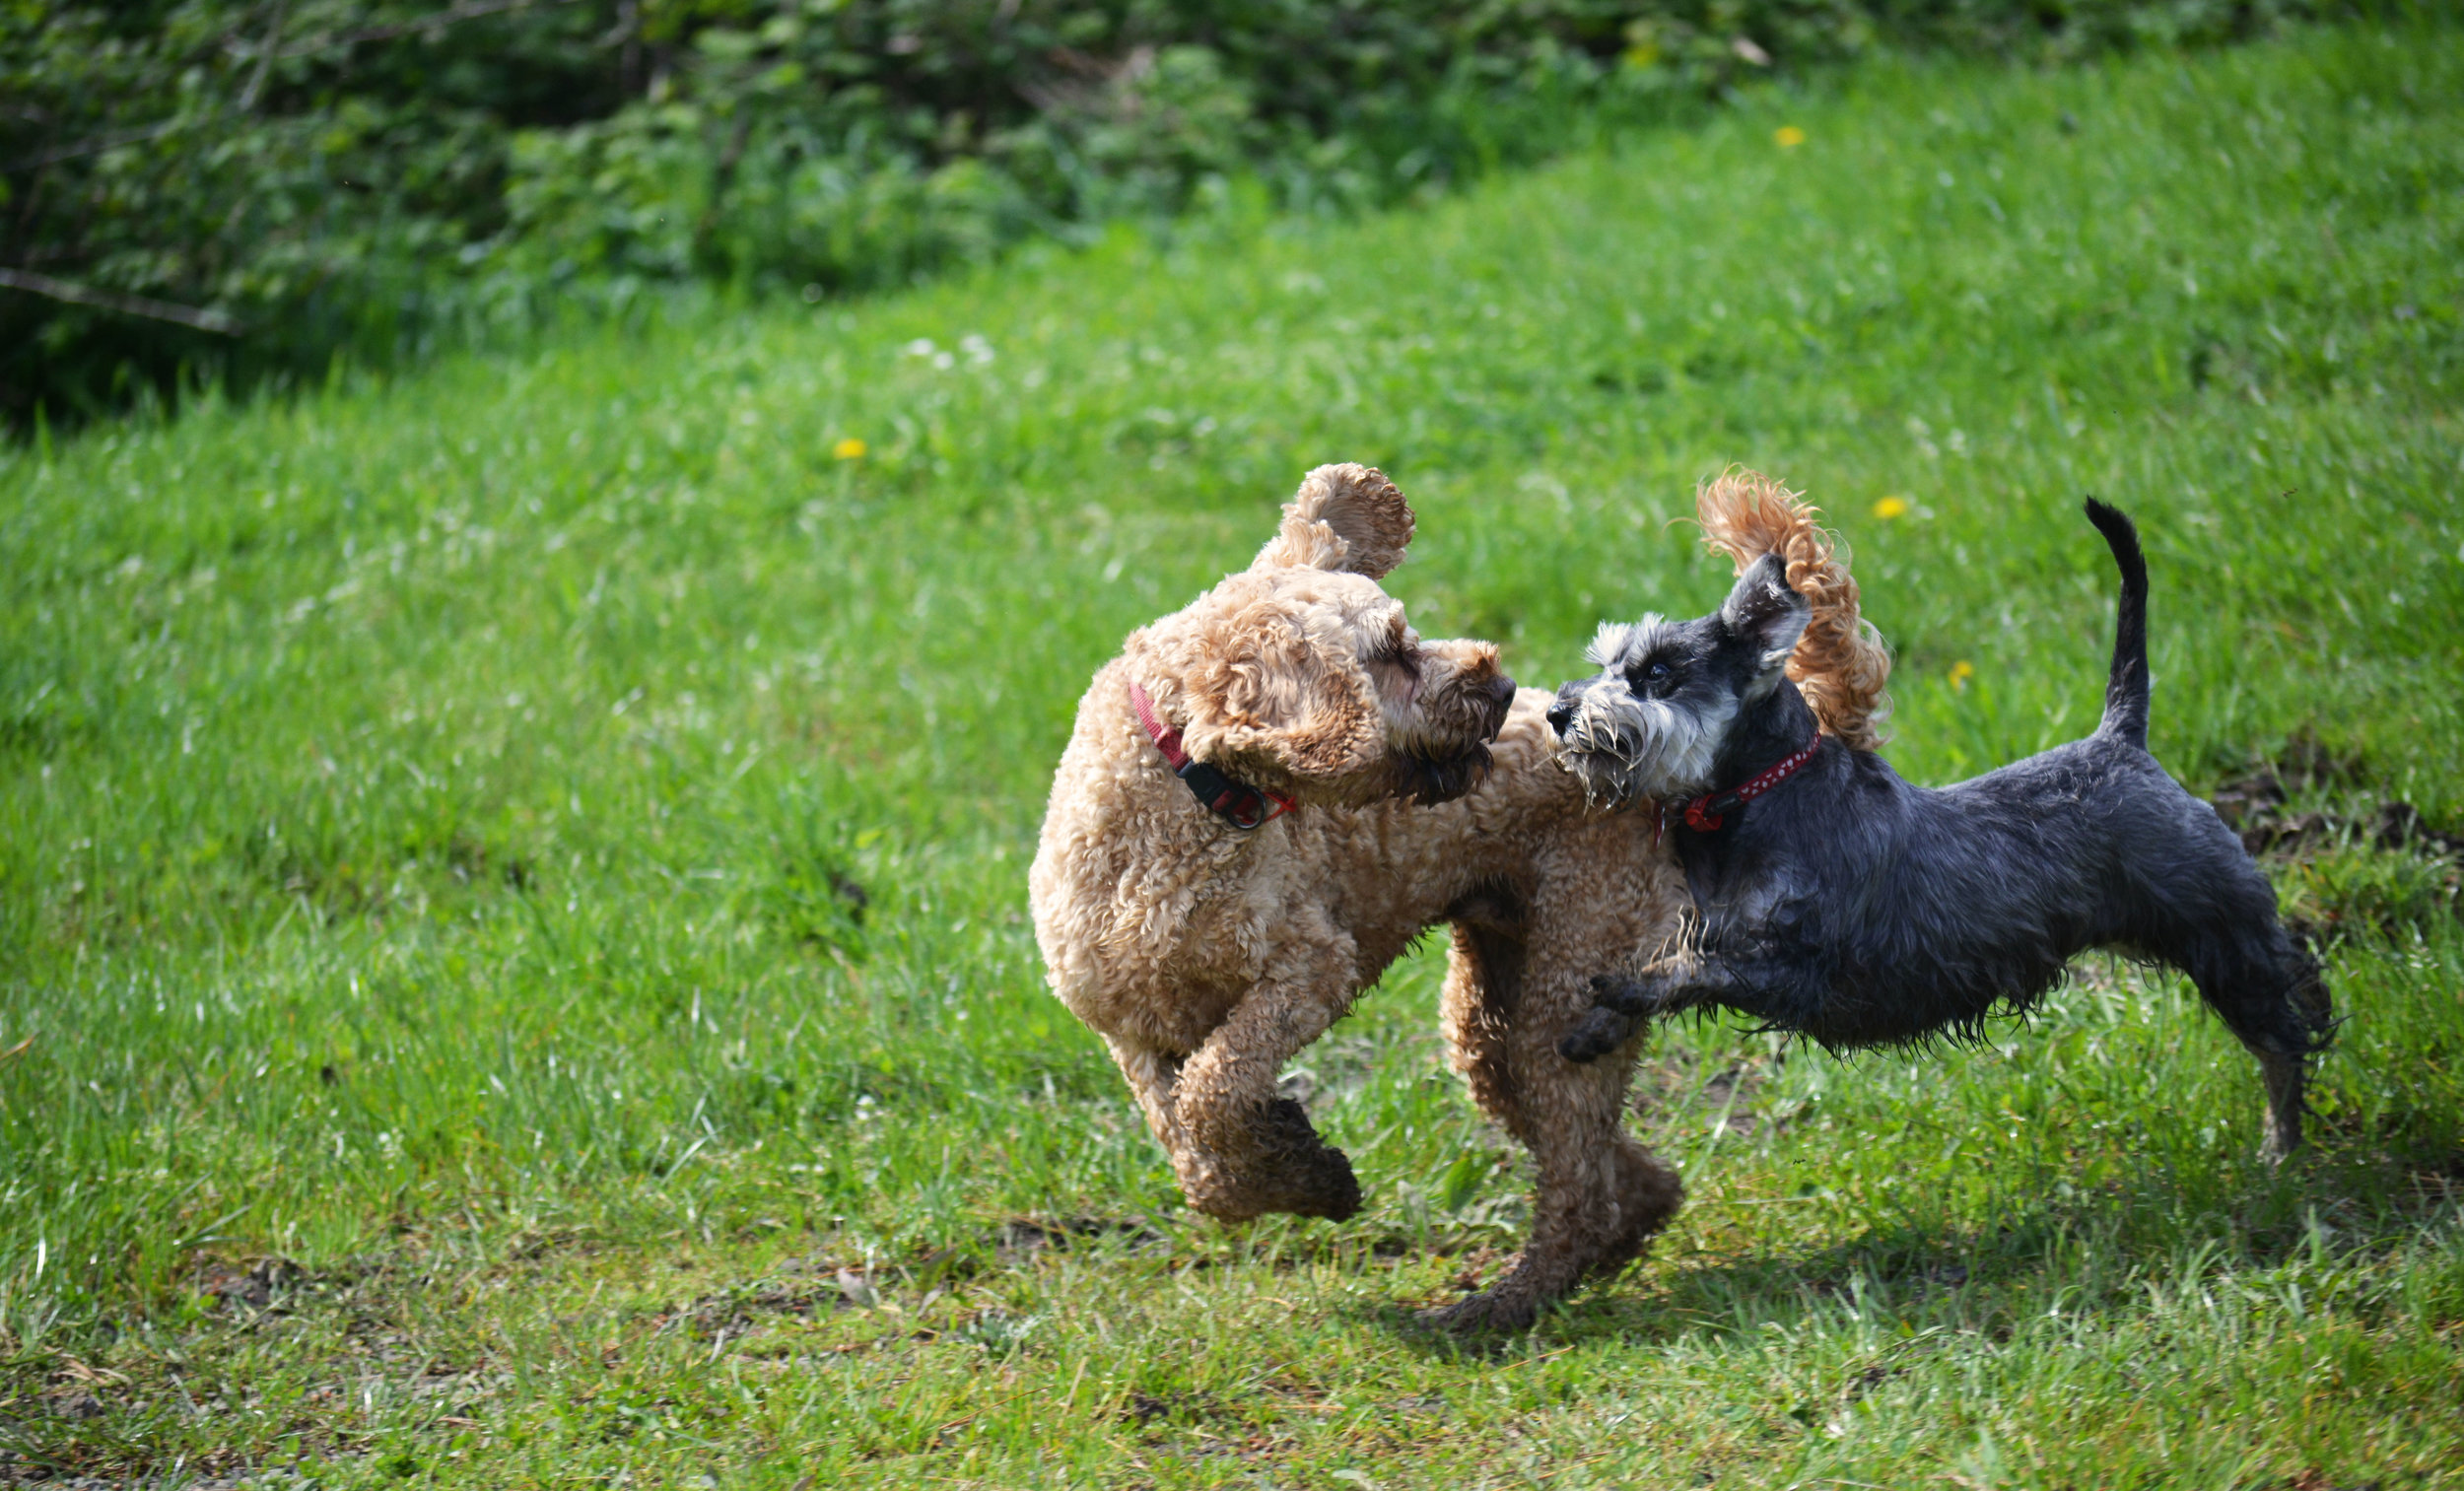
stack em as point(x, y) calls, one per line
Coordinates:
point(1840, 664)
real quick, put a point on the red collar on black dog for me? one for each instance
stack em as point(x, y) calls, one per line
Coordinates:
point(1705, 813)
point(1237, 803)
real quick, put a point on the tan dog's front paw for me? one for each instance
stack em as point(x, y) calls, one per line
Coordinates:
point(1315, 1178)
point(1285, 1168)
point(1324, 1187)
point(1282, 1167)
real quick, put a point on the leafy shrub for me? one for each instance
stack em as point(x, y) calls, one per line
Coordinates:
point(245, 185)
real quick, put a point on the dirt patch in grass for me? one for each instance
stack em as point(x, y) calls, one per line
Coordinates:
point(2350, 860)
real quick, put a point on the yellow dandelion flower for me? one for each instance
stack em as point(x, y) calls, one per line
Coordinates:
point(849, 449)
point(1641, 54)
point(1961, 672)
point(1891, 506)
point(1789, 136)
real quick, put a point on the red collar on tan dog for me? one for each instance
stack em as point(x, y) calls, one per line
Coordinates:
point(1237, 803)
point(1707, 812)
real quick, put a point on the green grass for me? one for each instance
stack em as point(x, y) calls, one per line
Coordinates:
point(431, 818)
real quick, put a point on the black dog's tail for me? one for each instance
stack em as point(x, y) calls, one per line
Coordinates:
point(2126, 688)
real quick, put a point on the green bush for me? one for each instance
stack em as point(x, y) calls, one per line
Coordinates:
point(236, 186)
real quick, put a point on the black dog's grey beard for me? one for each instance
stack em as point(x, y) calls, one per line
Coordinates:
point(1608, 780)
point(1623, 749)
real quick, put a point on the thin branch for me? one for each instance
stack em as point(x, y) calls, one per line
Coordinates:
point(95, 145)
point(265, 55)
point(435, 21)
point(127, 304)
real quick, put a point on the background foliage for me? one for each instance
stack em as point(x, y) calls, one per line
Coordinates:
point(245, 185)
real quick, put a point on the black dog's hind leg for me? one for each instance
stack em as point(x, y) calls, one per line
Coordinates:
point(2270, 994)
point(2216, 920)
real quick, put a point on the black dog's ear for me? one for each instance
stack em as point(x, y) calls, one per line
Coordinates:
point(1764, 613)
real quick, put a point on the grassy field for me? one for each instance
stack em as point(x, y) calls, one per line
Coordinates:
point(513, 880)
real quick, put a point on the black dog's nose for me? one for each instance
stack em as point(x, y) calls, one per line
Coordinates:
point(1561, 711)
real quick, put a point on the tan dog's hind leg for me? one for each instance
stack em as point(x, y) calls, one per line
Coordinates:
point(1602, 1195)
point(1251, 1151)
point(1484, 984)
point(1589, 1169)
point(1484, 991)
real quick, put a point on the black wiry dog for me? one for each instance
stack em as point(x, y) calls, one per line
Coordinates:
point(1837, 900)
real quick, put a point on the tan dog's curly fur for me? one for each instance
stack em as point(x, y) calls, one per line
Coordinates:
point(1207, 957)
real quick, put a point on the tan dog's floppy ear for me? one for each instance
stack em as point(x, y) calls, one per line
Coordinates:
point(1268, 708)
point(1344, 518)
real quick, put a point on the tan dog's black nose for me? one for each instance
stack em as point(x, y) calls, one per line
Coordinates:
point(1501, 689)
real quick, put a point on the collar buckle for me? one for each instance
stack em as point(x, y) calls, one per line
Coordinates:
point(1237, 803)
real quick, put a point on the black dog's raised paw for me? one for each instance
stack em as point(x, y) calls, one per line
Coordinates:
point(1628, 997)
point(1600, 1031)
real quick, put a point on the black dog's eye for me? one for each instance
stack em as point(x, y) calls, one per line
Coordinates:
point(1656, 675)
